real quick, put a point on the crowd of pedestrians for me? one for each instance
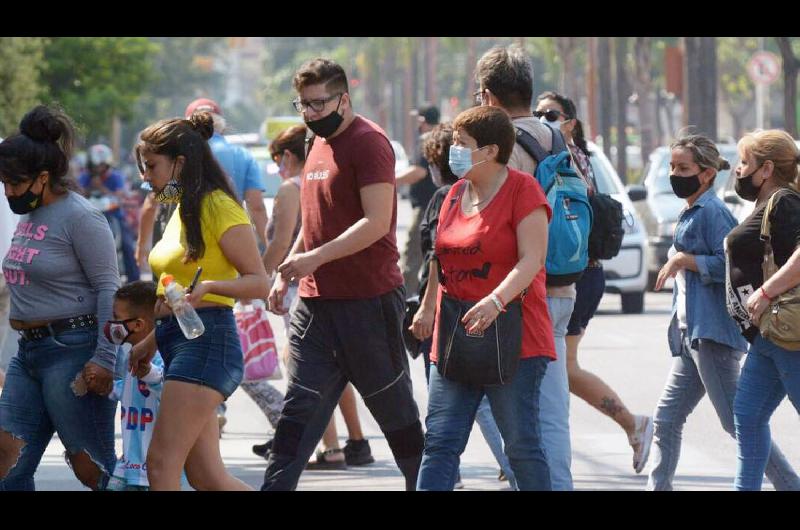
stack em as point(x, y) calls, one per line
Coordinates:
point(485, 294)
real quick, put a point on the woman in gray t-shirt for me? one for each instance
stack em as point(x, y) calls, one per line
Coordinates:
point(61, 270)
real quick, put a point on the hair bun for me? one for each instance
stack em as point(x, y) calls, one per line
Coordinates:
point(42, 125)
point(723, 164)
point(203, 123)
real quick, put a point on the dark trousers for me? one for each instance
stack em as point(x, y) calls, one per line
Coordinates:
point(333, 342)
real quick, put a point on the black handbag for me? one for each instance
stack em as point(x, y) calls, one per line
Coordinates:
point(490, 357)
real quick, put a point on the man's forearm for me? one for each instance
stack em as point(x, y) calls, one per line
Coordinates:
point(359, 236)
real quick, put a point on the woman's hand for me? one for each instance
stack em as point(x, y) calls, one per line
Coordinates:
point(422, 325)
point(669, 270)
point(279, 289)
point(200, 290)
point(98, 379)
point(480, 316)
point(756, 304)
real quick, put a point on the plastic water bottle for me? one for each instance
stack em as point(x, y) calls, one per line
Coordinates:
point(187, 317)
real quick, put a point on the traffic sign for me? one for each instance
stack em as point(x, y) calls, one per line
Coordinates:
point(764, 68)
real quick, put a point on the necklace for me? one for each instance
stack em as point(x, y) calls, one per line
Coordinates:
point(494, 191)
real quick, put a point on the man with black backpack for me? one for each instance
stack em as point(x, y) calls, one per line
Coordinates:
point(505, 78)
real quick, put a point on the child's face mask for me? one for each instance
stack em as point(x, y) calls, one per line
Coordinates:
point(117, 331)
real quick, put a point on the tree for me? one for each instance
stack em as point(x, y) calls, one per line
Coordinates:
point(701, 84)
point(791, 66)
point(21, 60)
point(98, 78)
point(736, 88)
point(620, 56)
point(644, 95)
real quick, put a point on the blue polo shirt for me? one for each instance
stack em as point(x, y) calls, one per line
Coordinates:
point(238, 163)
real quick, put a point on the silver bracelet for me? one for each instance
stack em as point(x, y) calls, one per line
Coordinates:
point(497, 303)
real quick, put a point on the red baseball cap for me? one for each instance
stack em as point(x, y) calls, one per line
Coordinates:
point(202, 104)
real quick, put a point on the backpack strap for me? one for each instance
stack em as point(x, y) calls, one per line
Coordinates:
point(559, 144)
point(310, 143)
point(531, 145)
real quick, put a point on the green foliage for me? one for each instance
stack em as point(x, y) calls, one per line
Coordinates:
point(21, 59)
point(96, 78)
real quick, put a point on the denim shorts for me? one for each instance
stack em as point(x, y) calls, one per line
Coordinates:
point(214, 359)
point(588, 293)
point(37, 401)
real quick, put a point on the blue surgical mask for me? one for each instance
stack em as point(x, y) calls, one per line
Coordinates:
point(460, 160)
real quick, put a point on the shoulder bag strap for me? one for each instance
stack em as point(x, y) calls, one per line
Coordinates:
point(768, 267)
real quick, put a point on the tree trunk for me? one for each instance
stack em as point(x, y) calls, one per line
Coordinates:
point(645, 99)
point(568, 80)
point(470, 85)
point(432, 45)
point(621, 52)
point(790, 69)
point(605, 106)
point(701, 85)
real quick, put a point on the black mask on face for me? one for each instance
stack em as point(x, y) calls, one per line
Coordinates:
point(326, 126)
point(27, 202)
point(684, 186)
point(744, 186)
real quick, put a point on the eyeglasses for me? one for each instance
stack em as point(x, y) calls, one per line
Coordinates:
point(478, 96)
point(550, 114)
point(315, 104)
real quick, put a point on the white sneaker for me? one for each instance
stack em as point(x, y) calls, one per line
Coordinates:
point(640, 441)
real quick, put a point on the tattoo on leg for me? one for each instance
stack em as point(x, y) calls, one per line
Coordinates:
point(610, 407)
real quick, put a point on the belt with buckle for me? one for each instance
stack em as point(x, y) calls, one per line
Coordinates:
point(59, 326)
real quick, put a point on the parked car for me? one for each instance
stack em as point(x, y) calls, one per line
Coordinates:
point(658, 206)
point(626, 273)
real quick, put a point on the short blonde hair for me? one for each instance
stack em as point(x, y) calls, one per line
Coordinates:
point(777, 146)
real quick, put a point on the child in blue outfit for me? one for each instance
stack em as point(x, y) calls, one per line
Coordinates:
point(139, 397)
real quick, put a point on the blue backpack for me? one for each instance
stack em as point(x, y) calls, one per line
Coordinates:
point(567, 194)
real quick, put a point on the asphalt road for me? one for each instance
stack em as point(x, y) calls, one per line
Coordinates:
point(628, 351)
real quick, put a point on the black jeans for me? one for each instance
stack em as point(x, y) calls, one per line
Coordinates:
point(333, 342)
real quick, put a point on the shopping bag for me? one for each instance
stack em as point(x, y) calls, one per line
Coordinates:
point(258, 342)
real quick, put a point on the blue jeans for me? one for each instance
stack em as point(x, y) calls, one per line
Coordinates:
point(770, 373)
point(37, 401)
point(712, 368)
point(214, 359)
point(554, 400)
point(490, 432)
point(515, 406)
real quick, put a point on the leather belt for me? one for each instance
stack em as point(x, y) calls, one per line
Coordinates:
point(59, 326)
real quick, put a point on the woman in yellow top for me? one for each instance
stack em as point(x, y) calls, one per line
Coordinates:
point(209, 229)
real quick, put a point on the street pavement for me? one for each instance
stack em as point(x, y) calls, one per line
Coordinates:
point(629, 352)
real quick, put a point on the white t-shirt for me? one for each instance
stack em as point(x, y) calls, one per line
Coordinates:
point(680, 282)
point(8, 223)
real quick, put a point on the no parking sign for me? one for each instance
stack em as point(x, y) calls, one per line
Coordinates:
point(764, 68)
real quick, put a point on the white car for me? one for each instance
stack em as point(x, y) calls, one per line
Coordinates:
point(626, 273)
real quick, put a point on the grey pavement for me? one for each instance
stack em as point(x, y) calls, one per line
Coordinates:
point(628, 351)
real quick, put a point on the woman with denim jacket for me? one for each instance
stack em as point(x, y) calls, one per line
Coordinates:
point(703, 339)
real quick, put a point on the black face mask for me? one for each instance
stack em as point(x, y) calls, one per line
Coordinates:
point(27, 202)
point(744, 186)
point(326, 126)
point(685, 186)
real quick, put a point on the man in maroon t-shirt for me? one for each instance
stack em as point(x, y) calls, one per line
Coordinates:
point(348, 323)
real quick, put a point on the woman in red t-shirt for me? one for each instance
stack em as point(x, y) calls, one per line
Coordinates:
point(491, 245)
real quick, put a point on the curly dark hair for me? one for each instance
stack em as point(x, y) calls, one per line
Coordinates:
point(436, 150)
point(201, 173)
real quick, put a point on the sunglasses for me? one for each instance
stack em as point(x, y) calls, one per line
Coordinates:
point(550, 115)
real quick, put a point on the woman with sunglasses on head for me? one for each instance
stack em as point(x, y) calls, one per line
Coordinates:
point(491, 244)
point(767, 174)
point(209, 229)
point(704, 341)
point(62, 272)
point(559, 111)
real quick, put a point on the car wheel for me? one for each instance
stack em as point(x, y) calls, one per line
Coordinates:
point(633, 302)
